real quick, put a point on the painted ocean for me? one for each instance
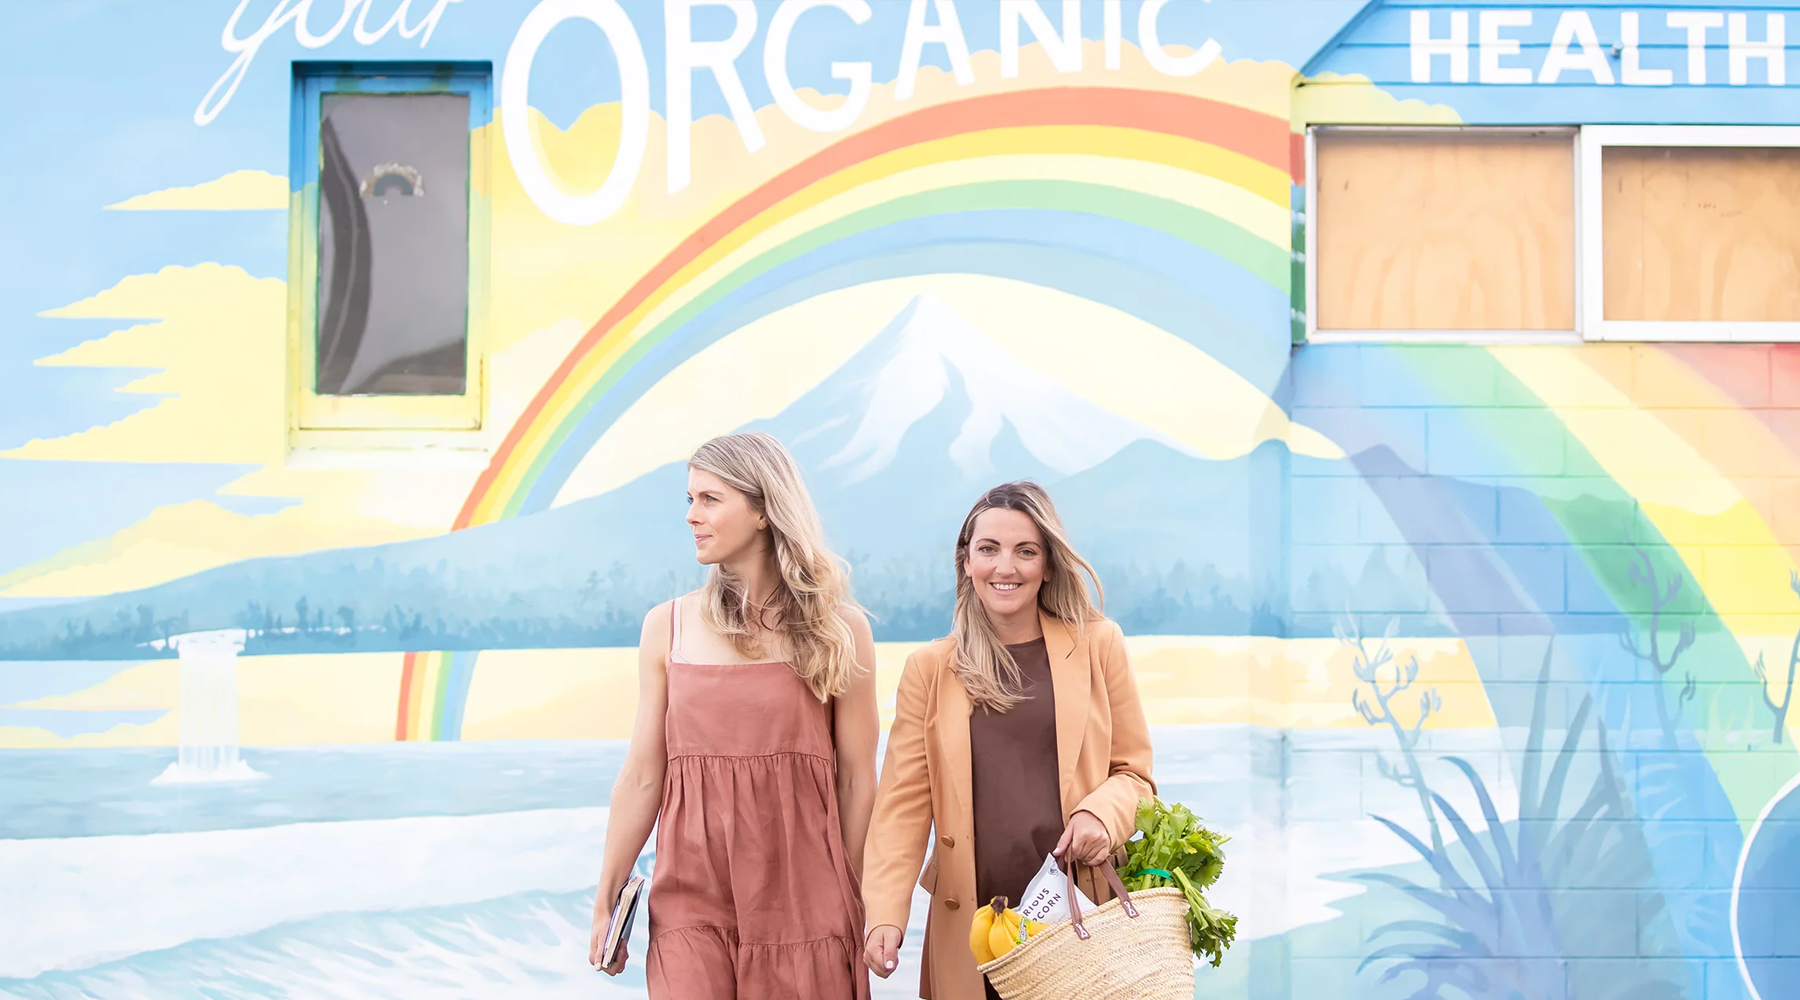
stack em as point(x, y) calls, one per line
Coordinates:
point(446, 870)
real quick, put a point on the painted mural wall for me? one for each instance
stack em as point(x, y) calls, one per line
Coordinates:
point(1482, 654)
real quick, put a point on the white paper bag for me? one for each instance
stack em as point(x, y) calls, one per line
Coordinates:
point(1046, 898)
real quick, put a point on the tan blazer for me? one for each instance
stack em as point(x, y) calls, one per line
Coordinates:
point(1102, 750)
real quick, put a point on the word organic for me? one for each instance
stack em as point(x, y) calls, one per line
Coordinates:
point(683, 55)
point(929, 22)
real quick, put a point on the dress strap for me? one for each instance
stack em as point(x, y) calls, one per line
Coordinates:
point(675, 628)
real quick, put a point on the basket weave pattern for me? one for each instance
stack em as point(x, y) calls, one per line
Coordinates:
point(1142, 958)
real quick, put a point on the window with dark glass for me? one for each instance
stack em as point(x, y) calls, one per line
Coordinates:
point(388, 286)
point(393, 245)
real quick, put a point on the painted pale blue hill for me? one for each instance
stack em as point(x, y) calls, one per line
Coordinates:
point(896, 445)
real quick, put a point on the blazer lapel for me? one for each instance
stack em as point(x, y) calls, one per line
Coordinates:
point(1071, 682)
point(953, 708)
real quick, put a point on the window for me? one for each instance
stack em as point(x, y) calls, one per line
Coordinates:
point(1441, 234)
point(1691, 233)
point(391, 249)
point(1480, 235)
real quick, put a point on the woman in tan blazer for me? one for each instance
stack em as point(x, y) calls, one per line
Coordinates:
point(1020, 734)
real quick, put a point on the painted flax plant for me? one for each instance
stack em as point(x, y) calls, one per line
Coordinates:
point(1650, 650)
point(1502, 931)
point(1387, 679)
point(1762, 674)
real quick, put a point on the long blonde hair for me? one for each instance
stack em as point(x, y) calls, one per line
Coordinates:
point(982, 661)
point(812, 590)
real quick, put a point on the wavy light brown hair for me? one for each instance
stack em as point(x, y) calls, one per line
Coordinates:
point(982, 661)
point(812, 590)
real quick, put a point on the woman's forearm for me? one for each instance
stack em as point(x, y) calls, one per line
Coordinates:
point(636, 800)
point(856, 800)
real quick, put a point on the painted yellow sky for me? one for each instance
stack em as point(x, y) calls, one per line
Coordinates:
point(282, 700)
point(217, 334)
point(238, 191)
point(544, 271)
point(214, 339)
point(592, 693)
point(1353, 99)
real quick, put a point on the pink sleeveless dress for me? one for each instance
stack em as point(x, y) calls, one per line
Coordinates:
point(753, 897)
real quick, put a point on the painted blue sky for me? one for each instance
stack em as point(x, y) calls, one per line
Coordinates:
point(107, 91)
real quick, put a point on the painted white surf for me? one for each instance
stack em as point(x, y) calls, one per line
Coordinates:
point(75, 903)
point(79, 901)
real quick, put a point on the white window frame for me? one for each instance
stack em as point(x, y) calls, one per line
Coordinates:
point(1590, 249)
point(1314, 335)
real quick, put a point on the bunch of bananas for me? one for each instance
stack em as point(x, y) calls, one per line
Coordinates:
point(997, 930)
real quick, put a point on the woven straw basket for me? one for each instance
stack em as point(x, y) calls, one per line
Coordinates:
point(1106, 954)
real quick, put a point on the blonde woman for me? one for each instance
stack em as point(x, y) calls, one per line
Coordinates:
point(753, 752)
point(1017, 736)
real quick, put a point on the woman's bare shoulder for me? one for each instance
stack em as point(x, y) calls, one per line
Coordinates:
point(658, 619)
point(857, 619)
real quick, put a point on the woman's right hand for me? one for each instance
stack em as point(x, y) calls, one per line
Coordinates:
point(882, 952)
point(597, 937)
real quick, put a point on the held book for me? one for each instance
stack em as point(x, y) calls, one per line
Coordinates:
point(624, 909)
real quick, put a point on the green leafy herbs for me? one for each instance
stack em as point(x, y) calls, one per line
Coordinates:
point(1173, 849)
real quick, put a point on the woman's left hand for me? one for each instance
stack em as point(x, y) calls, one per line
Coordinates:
point(1085, 840)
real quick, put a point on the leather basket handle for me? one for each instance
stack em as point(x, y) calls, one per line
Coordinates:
point(1112, 879)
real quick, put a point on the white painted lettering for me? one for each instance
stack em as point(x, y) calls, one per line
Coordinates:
point(397, 22)
point(1575, 26)
point(1772, 50)
point(304, 34)
point(860, 74)
point(947, 32)
point(1423, 47)
point(1160, 59)
point(1064, 50)
point(1631, 72)
point(683, 55)
point(1493, 46)
point(1575, 46)
point(1696, 22)
point(244, 49)
point(517, 126)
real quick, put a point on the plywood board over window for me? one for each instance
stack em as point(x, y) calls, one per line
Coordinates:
point(1447, 230)
point(1695, 234)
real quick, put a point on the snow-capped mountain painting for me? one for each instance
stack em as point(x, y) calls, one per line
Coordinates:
point(930, 361)
point(901, 440)
point(897, 443)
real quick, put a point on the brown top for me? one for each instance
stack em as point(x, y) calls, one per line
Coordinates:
point(1014, 782)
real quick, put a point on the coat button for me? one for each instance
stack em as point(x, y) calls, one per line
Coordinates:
point(947, 840)
point(951, 903)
